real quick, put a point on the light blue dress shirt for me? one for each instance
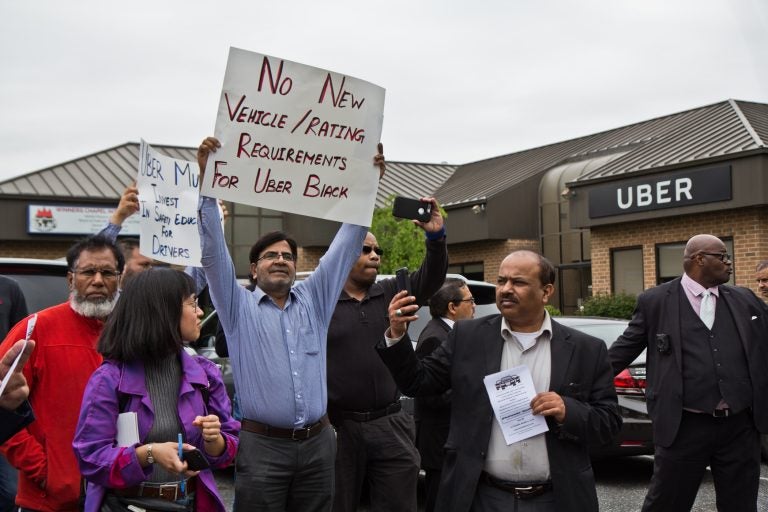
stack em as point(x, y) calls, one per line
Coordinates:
point(278, 356)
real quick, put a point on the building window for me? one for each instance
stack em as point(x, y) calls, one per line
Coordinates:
point(244, 227)
point(669, 260)
point(472, 271)
point(627, 270)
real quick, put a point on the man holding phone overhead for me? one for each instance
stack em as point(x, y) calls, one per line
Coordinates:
point(375, 437)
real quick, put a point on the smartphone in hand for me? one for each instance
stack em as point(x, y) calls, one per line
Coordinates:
point(196, 461)
point(407, 208)
point(403, 280)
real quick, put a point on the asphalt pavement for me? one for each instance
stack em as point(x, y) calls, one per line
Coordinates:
point(621, 486)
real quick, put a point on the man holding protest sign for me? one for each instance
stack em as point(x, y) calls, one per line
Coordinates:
point(277, 344)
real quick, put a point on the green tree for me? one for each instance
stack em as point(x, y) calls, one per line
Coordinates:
point(402, 241)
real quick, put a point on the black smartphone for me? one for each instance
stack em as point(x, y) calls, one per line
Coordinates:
point(407, 208)
point(196, 461)
point(403, 281)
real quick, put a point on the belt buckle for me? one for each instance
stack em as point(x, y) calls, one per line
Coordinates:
point(305, 432)
point(721, 413)
point(163, 487)
point(523, 492)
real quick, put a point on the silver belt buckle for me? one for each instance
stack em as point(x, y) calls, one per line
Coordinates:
point(175, 488)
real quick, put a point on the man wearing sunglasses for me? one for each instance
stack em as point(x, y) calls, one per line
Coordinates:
point(376, 439)
point(707, 384)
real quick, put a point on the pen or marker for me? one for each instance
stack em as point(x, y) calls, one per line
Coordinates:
point(181, 457)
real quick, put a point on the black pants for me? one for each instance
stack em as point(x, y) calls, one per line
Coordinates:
point(729, 446)
point(431, 486)
point(284, 475)
point(381, 452)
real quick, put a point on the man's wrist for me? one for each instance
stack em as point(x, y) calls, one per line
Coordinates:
point(389, 339)
point(435, 236)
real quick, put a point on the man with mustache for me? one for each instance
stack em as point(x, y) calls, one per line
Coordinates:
point(376, 439)
point(64, 358)
point(276, 336)
point(572, 377)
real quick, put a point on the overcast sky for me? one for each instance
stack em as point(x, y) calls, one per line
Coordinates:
point(464, 81)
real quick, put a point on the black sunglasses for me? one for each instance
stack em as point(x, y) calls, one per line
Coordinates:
point(367, 250)
point(722, 256)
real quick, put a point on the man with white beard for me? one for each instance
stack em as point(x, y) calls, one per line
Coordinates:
point(64, 357)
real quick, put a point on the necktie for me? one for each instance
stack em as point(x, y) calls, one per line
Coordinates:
point(707, 310)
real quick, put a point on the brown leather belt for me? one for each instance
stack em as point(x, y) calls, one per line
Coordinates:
point(371, 415)
point(522, 491)
point(295, 434)
point(168, 491)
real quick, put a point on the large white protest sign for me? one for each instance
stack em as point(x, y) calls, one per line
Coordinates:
point(168, 196)
point(296, 139)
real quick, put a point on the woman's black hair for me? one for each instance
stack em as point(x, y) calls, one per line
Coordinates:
point(144, 325)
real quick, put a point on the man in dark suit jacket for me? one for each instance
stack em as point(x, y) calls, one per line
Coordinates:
point(452, 302)
point(706, 384)
point(570, 370)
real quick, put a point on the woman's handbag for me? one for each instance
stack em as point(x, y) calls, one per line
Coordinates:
point(115, 503)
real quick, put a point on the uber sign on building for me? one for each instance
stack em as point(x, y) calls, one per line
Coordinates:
point(657, 192)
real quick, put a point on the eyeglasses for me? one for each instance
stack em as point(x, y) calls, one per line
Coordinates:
point(192, 303)
point(367, 250)
point(90, 273)
point(274, 256)
point(471, 299)
point(722, 256)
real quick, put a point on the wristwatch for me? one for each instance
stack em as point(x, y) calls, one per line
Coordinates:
point(150, 458)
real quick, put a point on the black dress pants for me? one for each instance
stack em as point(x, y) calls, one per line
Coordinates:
point(729, 446)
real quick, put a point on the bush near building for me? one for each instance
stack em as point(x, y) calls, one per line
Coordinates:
point(619, 305)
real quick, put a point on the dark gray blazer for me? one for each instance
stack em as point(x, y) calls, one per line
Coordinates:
point(580, 374)
point(658, 313)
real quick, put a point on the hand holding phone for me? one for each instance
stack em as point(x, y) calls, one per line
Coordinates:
point(407, 208)
point(196, 461)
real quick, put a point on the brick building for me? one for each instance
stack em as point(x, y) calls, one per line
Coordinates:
point(612, 210)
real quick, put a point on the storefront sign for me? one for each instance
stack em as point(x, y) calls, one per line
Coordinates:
point(683, 188)
point(73, 220)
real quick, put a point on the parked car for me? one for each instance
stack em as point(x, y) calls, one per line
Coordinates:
point(636, 436)
point(43, 282)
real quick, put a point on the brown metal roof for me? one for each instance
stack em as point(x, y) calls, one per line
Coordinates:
point(711, 132)
point(102, 176)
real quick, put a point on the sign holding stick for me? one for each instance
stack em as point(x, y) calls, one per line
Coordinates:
point(168, 197)
point(296, 139)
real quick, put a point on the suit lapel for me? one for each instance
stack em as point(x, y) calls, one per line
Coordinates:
point(670, 323)
point(493, 344)
point(561, 348)
point(733, 303)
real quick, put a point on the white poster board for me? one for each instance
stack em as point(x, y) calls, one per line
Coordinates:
point(296, 139)
point(168, 197)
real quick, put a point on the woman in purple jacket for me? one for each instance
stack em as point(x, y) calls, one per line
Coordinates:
point(147, 371)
